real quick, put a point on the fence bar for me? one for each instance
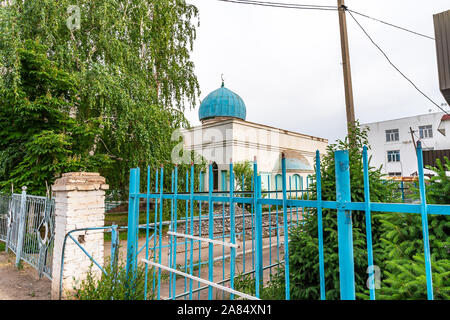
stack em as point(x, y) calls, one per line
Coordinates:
point(345, 234)
point(368, 224)
point(200, 228)
point(259, 252)
point(320, 226)
point(171, 237)
point(423, 209)
point(191, 209)
point(161, 191)
point(114, 245)
point(155, 230)
point(209, 283)
point(132, 222)
point(187, 236)
point(232, 230)
point(286, 235)
point(175, 213)
point(22, 216)
point(210, 232)
point(147, 235)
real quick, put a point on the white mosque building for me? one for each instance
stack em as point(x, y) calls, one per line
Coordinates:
point(226, 135)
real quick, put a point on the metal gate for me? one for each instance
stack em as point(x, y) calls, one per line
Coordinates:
point(205, 248)
point(27, 228)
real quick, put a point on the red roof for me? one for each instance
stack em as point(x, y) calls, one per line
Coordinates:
point(445, 117)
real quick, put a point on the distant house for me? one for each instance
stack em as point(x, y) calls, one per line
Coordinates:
point(392, 144)
point(225, 134)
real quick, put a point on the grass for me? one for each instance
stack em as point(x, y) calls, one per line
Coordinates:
point(2, 246)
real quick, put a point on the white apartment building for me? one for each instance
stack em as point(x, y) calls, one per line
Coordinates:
point(392, 145)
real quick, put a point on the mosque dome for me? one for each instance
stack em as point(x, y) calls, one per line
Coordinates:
point(222, 103)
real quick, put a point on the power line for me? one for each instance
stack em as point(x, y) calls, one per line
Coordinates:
point(390, 24)
point(282, 5)
point(318, 7)
point(395, 67)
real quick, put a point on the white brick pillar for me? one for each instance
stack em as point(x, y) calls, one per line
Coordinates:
point(79, 203)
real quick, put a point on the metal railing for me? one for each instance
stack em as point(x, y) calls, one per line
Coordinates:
point(27, 228)
point(284, 208)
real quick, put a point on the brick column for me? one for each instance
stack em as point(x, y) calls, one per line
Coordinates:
point(79, 203)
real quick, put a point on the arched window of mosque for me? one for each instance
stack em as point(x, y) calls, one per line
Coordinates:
point(297, 182)
point(215, 169)
point(278, 182)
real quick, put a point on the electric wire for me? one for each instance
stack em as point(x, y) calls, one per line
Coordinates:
point(282, 5)
point(390, 24)
point(393, 65)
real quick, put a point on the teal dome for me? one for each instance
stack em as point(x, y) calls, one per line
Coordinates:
point(222, 103)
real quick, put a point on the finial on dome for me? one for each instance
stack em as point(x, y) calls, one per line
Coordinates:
point(223, 82)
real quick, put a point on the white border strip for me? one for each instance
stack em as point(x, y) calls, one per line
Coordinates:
point(225, 244)
point(212, 284)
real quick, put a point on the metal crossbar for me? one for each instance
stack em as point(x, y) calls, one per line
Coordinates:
point(209, 283)
point(225, 244)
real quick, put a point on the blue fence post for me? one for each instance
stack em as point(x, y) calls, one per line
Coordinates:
point(191, 209)
point(175, 223)
point(320, 226)
point(345, 233)
point(160, 223)
point(114, 245)
point(210, 232)
point(286, 235)
point(21, 231)
point(402, 186)
point(232, 231)
point(368, 224)
point(424, 214)
point(133, 221)
point(258, 245)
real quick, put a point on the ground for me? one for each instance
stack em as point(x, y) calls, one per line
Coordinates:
point(23, 284)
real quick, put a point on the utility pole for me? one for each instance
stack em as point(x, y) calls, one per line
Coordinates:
point(413, 139)
point(350, 109)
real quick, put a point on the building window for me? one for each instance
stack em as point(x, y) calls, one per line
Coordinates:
point(297, 182)
point(395, 174)
point(392, 135)
point(278, 182)
point(224, 180)
point(393, 156)
point(426, 132)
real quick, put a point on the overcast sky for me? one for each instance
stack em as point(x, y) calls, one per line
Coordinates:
point(286, 63)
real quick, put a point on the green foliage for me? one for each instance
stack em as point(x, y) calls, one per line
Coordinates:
point(273, 290)
point(404, 275)
point(243, 174)
point(115, 285)
point(131, 64)
point(38, 137)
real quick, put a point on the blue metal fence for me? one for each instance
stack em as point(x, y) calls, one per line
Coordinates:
point(230, 207)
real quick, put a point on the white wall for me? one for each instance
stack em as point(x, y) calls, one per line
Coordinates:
point(408, 160)
point(243, 141)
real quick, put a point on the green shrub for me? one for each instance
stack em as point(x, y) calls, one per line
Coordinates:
point(404, 275)
point(115, 285)
point(303, 245)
